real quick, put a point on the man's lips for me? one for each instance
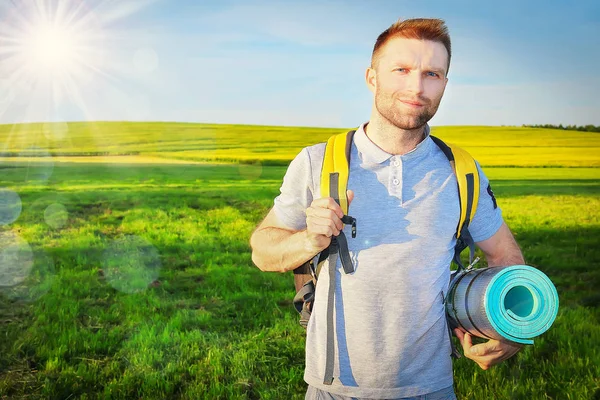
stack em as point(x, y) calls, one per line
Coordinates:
point(412, 103)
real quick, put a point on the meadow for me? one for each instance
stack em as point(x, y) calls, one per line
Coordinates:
point(277, 145)
point(133, 277)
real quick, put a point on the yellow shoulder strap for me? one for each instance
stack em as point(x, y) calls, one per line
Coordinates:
point(337, 160)
point(467, 177)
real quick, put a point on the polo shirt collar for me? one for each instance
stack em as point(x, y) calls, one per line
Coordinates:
point(371, 152)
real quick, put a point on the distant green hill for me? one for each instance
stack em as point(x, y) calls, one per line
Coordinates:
point(275, 145)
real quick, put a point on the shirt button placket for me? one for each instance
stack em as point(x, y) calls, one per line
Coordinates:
point(400, 185)
point(397, 177)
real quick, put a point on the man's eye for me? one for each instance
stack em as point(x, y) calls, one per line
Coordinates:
point(432, 74)
point(400, 69)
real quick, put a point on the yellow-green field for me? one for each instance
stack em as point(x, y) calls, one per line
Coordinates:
point(492, 146)
point(142, 286)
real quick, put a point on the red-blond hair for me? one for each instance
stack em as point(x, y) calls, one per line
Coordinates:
point(417, 28)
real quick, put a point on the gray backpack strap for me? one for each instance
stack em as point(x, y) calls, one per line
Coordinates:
point(330, 349)
point(334, 250)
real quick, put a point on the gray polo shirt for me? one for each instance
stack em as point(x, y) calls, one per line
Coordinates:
point(391, 338)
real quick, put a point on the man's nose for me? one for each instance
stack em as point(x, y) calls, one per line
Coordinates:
point(415, 82)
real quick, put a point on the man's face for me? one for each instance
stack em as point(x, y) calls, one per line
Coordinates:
point(408, 81)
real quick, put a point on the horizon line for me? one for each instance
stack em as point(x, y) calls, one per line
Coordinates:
point(246, 124)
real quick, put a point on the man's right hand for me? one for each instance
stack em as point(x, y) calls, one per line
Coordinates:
point(324, 220)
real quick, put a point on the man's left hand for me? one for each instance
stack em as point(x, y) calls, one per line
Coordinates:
point(486, 354)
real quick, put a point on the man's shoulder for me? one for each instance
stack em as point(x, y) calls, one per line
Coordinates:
point(313, 155)
point(316, 151)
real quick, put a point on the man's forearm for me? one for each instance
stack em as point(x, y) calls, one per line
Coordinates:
point(509, 258)
point(505, 251)
point(280, 250)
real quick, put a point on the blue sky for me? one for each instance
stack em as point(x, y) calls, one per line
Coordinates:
point(298, 62)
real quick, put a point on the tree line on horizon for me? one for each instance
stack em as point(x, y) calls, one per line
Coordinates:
point(582, 128)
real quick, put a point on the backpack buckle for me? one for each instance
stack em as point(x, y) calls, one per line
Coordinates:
point(348, 220)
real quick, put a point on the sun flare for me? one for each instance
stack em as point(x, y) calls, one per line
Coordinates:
point(71, 60)
point(49, 47)
point(50, 42)
point(52, 52)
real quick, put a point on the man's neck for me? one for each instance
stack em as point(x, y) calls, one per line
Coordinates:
point(392, 139)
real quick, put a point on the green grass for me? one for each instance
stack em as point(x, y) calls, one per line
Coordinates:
point(210, 325)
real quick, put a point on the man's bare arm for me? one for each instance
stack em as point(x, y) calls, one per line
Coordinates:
point(276, 247)
point(501, 249)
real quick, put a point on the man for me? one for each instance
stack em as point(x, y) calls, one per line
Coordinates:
point(391, 336)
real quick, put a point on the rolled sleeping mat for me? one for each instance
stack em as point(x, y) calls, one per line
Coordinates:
point(515, 303)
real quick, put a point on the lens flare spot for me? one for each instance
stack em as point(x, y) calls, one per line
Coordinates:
point(37, 283)
point(10, 206)
point(16, 259)
point(131, 264)
point(56, 215)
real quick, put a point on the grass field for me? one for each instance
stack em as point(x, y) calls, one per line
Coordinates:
point(134, 279)
point(492, 146)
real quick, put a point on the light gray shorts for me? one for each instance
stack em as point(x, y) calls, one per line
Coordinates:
point(316, 394)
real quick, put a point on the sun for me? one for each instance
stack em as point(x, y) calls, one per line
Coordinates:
point(59, 57)
point(50, 40)
point(50, 47)
point(49, 51)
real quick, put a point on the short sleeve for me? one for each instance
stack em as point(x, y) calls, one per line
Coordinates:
point(296, 192)
point(488, 217)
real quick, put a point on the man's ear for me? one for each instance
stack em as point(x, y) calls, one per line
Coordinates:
point(371, 79)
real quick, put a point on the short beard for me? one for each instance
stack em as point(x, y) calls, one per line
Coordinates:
point(403, 121)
